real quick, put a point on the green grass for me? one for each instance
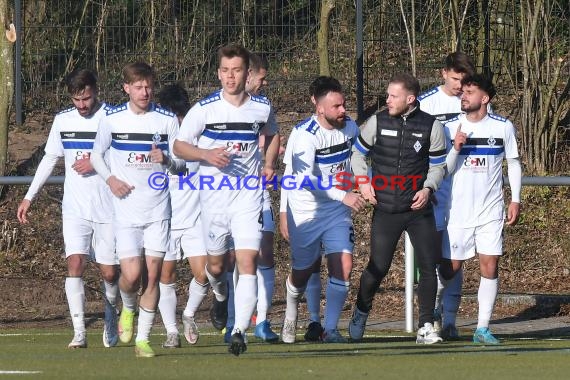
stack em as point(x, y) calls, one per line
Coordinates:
point(379, 356)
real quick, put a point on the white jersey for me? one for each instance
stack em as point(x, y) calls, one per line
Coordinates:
point(72, 136)
point(317, 158)
point(185, 197)
point(477, 184)
point(215, 123)
point(129, 138)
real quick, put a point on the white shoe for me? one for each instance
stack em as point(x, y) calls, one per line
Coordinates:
point(110, 328)
point(333, 336)
point(357, 324)
point(428, 335)
point(289, 331)
point(190, 329)
point(79, 341)
point(172, 341)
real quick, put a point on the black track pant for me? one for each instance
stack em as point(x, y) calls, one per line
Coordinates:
point(384, 235)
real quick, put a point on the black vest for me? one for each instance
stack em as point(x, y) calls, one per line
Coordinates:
point(400, 158)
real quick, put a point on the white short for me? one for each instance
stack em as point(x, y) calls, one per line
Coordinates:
point(242, 226)
point(268, 215)
point(85, 237)
point(313, 235)
point(186, 242)
point(131, 240)
point(464, 243)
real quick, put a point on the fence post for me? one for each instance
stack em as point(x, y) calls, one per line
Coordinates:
point(410, 270)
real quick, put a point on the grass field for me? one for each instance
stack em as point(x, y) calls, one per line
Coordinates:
point(44, 354)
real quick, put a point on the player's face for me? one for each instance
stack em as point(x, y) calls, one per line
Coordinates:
point(331, 107)
point(85, 101)
point(232, 74)
point(256, 81)
point(398, 99)
point(140, 94)
point(473, 99)
point(452, 84)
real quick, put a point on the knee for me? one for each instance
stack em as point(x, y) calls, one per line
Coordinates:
point(75, 265)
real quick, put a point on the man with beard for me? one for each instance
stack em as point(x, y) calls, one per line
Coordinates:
point(480, 142)
point(318, 211)
point(138, 136)
point(402, 142)
point(222, 132)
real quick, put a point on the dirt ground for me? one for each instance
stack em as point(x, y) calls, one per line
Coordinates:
point(32, 268)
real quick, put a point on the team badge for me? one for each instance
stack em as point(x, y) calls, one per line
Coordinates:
point(417, 146)
point(255, 126)
point(156, 138)
point(491, 141)
point(349, 143)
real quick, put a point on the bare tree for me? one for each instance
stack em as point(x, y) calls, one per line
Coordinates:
point(327, 7)
point(6, 79)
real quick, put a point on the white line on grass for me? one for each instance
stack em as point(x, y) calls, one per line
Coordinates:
point(18, 372)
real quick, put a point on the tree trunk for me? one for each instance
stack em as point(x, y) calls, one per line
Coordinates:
point(6, 79)
point(323, 36)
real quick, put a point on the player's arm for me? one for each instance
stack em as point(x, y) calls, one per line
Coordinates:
point(283, 225)
point(360, 151)
point(456, 144)
point(514, 171)
point(436, 171)
point(185, 143)
point(44, 170)
point(101, 145)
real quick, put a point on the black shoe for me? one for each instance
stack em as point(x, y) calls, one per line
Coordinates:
point(219, 313)
point(237, 344)
point(314, 332)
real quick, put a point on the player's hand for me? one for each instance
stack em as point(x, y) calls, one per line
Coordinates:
point(268, 171)
point(22, 212)
point(156, 155)
point(283, 225)
point(421, 199)
point(513, 213)
point(217, 157)
point(83, 166)
point(460, 139)
point(367, 192)
point(354, 200)
point(119, 188)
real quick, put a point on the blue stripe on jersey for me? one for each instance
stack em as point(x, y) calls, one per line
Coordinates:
point(331, 159)
point(138, 147)
point(361, 148)
point(77, 144)
point(223, 135)
point(437, 160)
point(481, 151)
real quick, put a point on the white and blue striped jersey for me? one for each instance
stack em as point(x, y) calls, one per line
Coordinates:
point(72, 136)
point(477, 183)
point(129, 138)
point(440, 105)
point(316, 158)
point(185, 197)
point(214, 122)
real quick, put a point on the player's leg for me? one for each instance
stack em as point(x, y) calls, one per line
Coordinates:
point(167, 301)
point(195, 251)
point(156, 243)
point(313, 297)
point(77, 235)
point(338, 241)
point(386, 230)
point(230, 265)
point(106, 258)
point(421, 229)
point(489, 243)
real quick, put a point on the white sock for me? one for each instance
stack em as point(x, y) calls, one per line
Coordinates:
point(313, 297)
point(231, 301)
point(245, 300)
point(167, 307)
point(129, 300)
point(219, 285)
point(293, 296)
point(488, 289)
point(265, 285)
point(196, 294)
point(111, 292)
point(337, 291)
point(146, 319)
point(452, 299)
point(75, 293)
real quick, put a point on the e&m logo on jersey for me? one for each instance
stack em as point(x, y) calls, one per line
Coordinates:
point(338, 168)
point(475, 163)
point(79, 155)
point(238, 148)
point(139, 160)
